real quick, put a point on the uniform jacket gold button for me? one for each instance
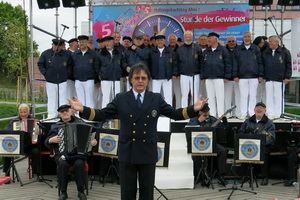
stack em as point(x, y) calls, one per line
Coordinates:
point(145, 132)
point(145, 124)
point(130, 115)
point(148, 116)
point(133, 131)
point(144, 140)
point(133, 139)
point(133, 124)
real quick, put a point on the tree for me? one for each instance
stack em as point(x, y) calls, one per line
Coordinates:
point(15, 43)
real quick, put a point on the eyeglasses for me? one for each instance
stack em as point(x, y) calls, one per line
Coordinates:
point(231, 41)
point(137, 78)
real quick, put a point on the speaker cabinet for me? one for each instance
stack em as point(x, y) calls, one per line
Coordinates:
point(288, 2)
point(46, 4)
point(260, 2)
point(73, 3)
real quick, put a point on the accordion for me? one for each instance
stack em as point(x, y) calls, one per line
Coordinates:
point(76, 138)
point(27, 125)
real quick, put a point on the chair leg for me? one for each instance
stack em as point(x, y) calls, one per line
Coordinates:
point(87, 183)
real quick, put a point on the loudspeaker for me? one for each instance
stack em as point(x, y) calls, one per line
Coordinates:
point(288, 2)
point(45, 4)
point(73, 3)
point(260, 2)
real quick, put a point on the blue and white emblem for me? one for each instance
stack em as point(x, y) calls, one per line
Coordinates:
point(10, 144)
point(249, 149)
point(108, 144)
point(202, 142)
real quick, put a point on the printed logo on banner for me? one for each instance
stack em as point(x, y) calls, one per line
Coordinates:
point(10, 144)
point(108, 144)
point(202, 142)
point(160, 153)
point(249, 149)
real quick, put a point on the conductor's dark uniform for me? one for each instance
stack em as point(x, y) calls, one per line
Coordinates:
point(138, 137)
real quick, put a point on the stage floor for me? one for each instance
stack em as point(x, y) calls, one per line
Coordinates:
point(40, 191)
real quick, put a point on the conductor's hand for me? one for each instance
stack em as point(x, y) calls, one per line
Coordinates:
point(55, 139)
point(94, 142)
point(200, 103)
point(76, 104)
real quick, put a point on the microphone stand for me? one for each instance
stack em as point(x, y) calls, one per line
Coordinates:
point(56, 52)
point(282, 84)
point(234, 185)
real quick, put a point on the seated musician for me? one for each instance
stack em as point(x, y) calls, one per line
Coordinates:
point(32, 149)
point(259, 123)
point(64, 161)
point(204, 119)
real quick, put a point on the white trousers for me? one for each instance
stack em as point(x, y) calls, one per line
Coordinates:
point(274, 98)
point(107, 88)
point(166, 87)
point(261, 92)
point(186, 86)
point(248, 92)
point(71, 91)
point(215, 94)
point(53, 92)
point(232, 97)
point(128, 87)
point(97, 97)
point(176, 92)
point(85, 92)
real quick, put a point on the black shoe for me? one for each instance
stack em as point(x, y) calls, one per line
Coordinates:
point(8, 182)
point(101, 179)
point(63, 196)
point(81, 196)
point(221, 180)
point(40, 178)
point(289, 183)
point(264, 181)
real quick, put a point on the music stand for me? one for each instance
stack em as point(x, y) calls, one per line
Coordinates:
point(201, 141)
point(108, 147)
point(12, 145)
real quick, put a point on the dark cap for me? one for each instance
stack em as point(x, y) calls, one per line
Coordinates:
point(72, 40)
point(100, 40)
point(213, 34)
point(127, 38)
point(83, 37)
point(138, 37)
point(108, 38)
point(205, 108)
point(260, 104)
point(160, 37)
point(152, 38)
point(56, 41)
point(179, 39)
point(63, 108)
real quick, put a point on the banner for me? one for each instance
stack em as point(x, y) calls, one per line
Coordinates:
point(225, 19)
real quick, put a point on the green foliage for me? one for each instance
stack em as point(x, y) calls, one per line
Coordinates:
point(295, 111)
point(15, 42)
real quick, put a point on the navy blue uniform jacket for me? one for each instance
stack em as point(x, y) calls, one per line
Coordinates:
point(138, 134)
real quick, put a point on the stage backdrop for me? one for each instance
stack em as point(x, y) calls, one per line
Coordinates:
point(130, 20)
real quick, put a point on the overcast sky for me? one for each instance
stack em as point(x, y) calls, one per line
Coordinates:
point(45, 19)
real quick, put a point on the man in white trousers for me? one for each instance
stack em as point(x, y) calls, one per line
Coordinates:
point(215, 71)
point(278, 71)
point(188, 63)
point(163, 68)
point(232, 91)
point(56, 65)
point(85, 71)
point(248, 72)
point(111, 62)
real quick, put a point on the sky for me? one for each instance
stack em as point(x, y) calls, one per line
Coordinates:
point(46, 20)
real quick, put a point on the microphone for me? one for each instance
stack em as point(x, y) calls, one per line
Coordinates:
point(65, 26)
point(117, 22)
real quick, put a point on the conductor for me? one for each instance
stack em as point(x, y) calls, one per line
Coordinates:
point(138, 111)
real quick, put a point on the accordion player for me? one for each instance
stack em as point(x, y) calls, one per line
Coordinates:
point(70, 139)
